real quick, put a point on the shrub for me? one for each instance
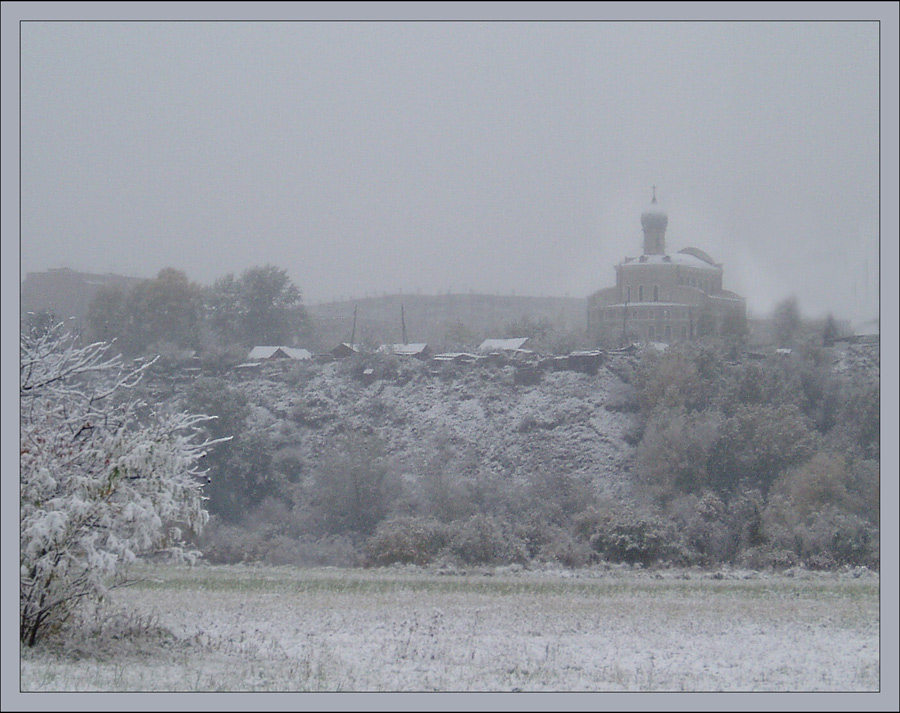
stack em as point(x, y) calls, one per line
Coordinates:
point(768, 557)
point(674, 454)
point(483, 539)
point(757, 444)
point(406, 540)
point(704, 525)
point(624, 535)
point(561, 547)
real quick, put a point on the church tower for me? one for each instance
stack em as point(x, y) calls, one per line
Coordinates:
point(654, 221)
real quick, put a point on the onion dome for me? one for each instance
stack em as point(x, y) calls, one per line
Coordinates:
point(654, 216)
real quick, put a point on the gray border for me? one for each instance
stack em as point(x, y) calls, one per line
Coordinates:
point(885, 12)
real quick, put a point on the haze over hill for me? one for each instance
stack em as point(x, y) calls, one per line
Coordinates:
point(453, 320)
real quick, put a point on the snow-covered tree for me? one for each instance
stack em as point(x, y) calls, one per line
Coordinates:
point(103, 476)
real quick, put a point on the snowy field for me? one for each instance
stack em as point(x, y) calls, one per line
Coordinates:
point(243, 628)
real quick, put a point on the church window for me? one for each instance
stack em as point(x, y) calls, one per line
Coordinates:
point(656, 293)
point(650, 332)
point(640, 293)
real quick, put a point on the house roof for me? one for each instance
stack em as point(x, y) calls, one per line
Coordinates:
point(268, 352)
point(689, 257)
point(502, 345)
point(404, 349)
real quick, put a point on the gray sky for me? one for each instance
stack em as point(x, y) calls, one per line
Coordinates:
point(454, 156)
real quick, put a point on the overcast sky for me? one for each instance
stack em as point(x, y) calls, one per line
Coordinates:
point(429, 157)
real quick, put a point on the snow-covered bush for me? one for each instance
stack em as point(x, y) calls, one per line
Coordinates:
point(484, 539)
point(103, 477)
point(636, 536)
point(406, 540)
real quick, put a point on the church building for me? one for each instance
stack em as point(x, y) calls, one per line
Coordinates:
point(664, 298)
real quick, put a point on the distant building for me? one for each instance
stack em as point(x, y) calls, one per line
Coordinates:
point(344, 350)
point(418, 350)
point(503, 345)
point(664, 298)
point(67, 293)
point(267, 353)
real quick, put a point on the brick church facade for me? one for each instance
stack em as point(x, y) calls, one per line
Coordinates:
point(660, 297)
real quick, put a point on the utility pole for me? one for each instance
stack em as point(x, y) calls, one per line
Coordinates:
point(403, 324)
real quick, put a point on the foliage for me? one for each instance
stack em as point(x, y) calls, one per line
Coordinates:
point(674, 454)
point(103, 478)
point(484, 539)
point(830, 330)
point(240, 469)
point(857, 422)
point(683, 376)
point(757, 444)
point(823, 512)
point(633, 536)
point(554, 496)
point(225, 543)
point(704, 523)
point(352, 487)
point(165, 309)
point(459, 337)
point(787, 322)
point(444, 491)
point(561, 547)
point(107, 317)
point(261, 307)
point(406, 540)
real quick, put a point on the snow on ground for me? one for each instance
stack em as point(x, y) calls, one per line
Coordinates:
point(246, 628)
point(563, 424)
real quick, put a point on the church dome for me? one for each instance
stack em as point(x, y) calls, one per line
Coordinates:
point(654, 216)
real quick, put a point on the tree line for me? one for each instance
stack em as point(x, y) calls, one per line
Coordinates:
point(262, 305)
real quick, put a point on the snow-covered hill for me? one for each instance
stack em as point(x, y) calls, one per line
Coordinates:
point(476, 414)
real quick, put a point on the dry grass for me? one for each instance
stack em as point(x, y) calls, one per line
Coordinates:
point(288, 629)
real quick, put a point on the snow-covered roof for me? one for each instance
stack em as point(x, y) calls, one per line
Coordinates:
point(687, 259)
point(503, 345)
point(404, 349)
point(267, 352)
point(457, 356)
point(698, 253)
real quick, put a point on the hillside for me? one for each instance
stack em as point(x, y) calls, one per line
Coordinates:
point(567, 423)
point(502, 461)
point(476, 415)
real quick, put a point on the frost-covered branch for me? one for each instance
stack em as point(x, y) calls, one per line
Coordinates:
point(103, 478)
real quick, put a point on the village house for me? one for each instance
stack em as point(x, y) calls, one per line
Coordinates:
point(263, 353)
point(419, 350)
